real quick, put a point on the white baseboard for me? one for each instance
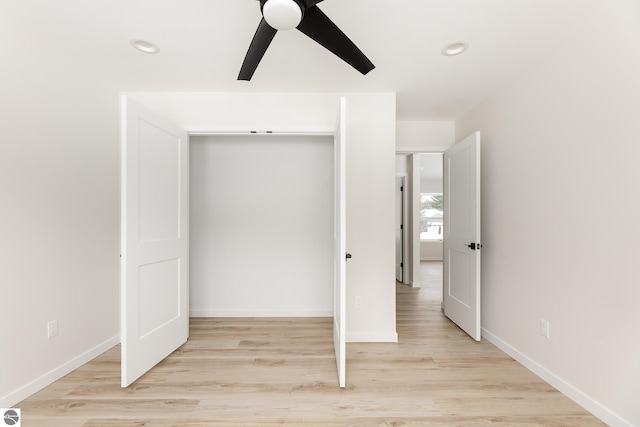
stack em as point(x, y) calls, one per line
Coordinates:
point(391, 337)
point(260, 313)
point(582, 399)
point(16, 396)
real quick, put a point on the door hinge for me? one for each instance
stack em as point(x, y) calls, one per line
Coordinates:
point(401, 264)
point(348, 256)
point(401, 226)
point(401, 188)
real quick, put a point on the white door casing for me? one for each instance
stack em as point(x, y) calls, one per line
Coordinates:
point(154, 239)
point(462, 244)
point(339, 245)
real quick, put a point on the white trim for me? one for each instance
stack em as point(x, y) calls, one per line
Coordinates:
point(197, 130)
point(406, 237)
point(419, 150)
point(579, 397)
point(414, 197)
point(55, 374)
point(405, 227)
point(259, 313)
point(391, 337)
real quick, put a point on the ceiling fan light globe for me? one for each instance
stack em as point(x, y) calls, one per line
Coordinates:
point(282, 14)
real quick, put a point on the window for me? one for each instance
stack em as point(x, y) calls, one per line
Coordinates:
point(431, 216)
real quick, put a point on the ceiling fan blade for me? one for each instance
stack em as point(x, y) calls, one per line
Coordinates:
point(261, 41)
point(320, 28)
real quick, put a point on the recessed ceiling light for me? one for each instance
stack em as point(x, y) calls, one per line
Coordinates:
point(455, 49)
point(145, 46)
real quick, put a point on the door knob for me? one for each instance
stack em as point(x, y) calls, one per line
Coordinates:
point(474, 246)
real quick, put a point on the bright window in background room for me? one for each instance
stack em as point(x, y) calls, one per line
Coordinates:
point(431, 216)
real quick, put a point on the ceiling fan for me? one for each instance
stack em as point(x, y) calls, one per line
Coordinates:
point(310, 20)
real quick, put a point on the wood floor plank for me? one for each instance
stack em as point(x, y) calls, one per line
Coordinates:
point(268, 372)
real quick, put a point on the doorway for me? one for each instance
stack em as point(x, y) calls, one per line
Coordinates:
point(261, 226)
point(156, 238)
point(460, 221)
point(422, 213)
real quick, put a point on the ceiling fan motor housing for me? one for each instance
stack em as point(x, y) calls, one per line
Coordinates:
point(307, 17)
point(281, 14)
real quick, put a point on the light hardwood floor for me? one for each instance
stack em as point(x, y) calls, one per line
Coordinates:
point(265, 372)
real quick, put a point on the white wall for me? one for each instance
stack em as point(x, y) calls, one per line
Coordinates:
point(370, 155)
point(431, 250)
point(261, 226)
point(415, 136)
point(561, 217)
point(401, 164)
point(370, 152)
point(430, 186)
point(244, 112)
point(59, 222)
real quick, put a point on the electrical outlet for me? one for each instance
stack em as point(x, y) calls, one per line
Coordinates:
point(544, 328)
point(359, 302)
point(52, 328)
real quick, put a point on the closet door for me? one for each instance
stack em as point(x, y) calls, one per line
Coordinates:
point(154, 239)
point(340, 246)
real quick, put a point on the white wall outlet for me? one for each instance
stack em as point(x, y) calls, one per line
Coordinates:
point(544, 328)
point(359, 302)
point(52, 328)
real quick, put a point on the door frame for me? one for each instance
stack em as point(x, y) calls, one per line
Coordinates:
point(289, 132)
point(405, 228)
point(411, 258)
point(328, 133)
point(340, 355)
point(415, 269)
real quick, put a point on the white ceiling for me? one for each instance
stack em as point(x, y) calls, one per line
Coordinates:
point(203, 43)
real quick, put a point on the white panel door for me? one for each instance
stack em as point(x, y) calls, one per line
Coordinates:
point(339, 246)
point(399, 228)
point(155, 240)
point(462, 234)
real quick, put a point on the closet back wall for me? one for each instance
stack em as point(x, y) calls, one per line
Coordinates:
point(261, 226)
